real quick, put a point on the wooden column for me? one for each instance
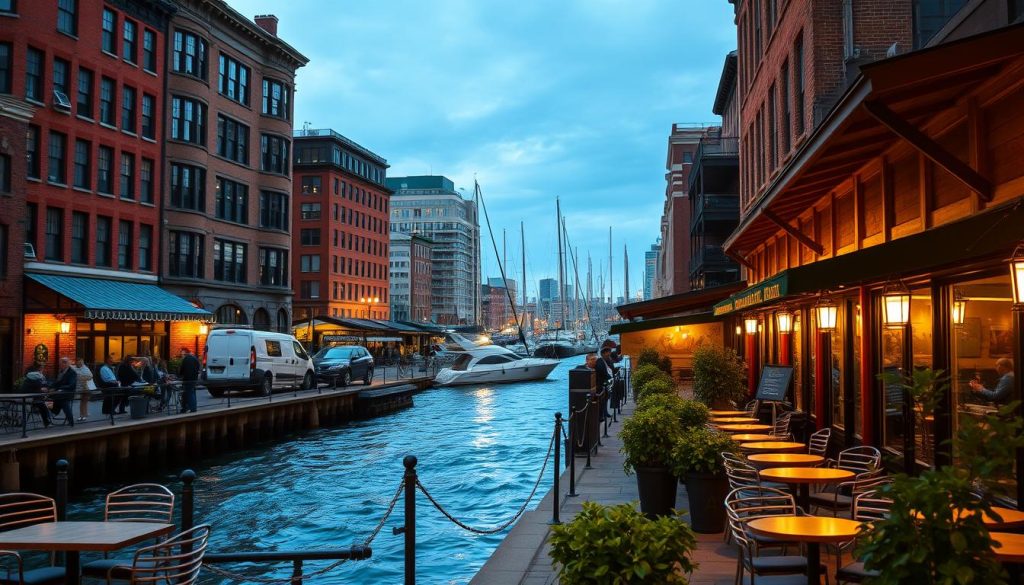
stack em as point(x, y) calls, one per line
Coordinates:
point(822, 374)
point(753, 362)
point(785, 349)
point(869, 386)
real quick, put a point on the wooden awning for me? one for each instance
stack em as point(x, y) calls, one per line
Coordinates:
point(672, 305)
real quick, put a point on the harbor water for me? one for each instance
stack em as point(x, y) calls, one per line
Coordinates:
point(480, 451)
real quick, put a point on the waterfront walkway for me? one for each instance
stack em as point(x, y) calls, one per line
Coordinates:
point(522, 558)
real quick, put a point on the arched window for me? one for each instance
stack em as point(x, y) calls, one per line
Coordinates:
point(261, 320)
point(283, 326)
point(231, 315)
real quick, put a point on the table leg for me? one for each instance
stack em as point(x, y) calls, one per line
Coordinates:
point(813, 563)
point(72, 570)
point(804, 499)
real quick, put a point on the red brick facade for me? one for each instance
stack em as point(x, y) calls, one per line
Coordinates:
point(673, 275)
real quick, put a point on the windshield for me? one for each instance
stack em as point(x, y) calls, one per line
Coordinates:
point(461, 363)
point(335, 353)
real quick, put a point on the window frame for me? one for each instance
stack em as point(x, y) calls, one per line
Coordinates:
point(231, 201)
point(126, 177)
point(57, 159)
point(194, 64)
point(105, 187)
point(235, 270)
point(108, 37)
point(82, 175)
point(125, 233)
point(129, 113)
point(130, 41)
point(84, 100)
point(236, 89)
point(194, 187)
point(232, 140)
point(149, 61)
point(186, 128)
point(104, 227)
point(35, 72)
point(67, 15)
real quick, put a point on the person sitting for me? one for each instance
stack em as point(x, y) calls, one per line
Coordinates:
point(64, 390)
point(1004, 387)
point(35, 382)
point(107, 382)
point(126, 378)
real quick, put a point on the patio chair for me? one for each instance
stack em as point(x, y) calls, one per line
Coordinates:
point(18, 510)
point(751, 409)
point(840, 497)
point(141, 502)
point(781, 427)
point(867, 507)
point(176, 560)
point(818, 443)
point(858, 459)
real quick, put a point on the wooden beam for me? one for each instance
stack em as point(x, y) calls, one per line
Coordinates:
point(931, 149)
point(800, 236)
point(739, 259)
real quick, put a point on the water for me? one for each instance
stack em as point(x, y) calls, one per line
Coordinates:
point(480, 450)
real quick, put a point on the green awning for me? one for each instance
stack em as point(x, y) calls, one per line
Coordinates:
point(663, 322)
point(121, 301)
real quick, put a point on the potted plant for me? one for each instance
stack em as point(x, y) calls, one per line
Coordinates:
point(643, 374)
point(670, 402)
point(651, 356)
point(697, 460)
point(605, 545)
point(659, 385)
point(648, 438)
point(718, 376)
point(694, 414)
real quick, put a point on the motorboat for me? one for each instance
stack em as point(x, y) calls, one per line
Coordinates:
point(553, 345)
point(493, 364)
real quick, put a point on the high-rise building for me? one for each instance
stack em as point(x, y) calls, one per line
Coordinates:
point(548, 294)
point(340, 236)
point(411, 273)
point(431, 207)
point(650, 270)
point(674, 261)
point(228, 145)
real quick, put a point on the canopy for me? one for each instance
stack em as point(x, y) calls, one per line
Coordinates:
point(119, 300)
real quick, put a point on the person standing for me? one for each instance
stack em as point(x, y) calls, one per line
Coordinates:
point(64, 390)
point(605, 375)
point(126, 378)
point(85, 388)
point(189, 372)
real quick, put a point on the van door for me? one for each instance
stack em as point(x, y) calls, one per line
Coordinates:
point(301, 363)
point(287, 373)
point(276, 362)
point(228, 355)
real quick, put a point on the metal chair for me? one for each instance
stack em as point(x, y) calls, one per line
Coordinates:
point(729, 457)
point(141, 502)
point(751, 409)
point(18, 510)
point(818, 443)
point(867, 507)
point(859, 459)
point(176, 560)
point(781, 427)
point(841, 497)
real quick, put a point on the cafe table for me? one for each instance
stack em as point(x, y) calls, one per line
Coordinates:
point(803, 477)
point(744, 428)
point(765, 460)
point(749, 437)
point(74, 537)
point(773, 447)
point(810, 530)
point(733, 420)
point(1009, 518)
point(1011, 549)
point(728, 412)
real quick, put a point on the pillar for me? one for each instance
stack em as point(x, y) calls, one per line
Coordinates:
point(785, 349)
point(753, 362)
point(822, 374)
point(868, 383)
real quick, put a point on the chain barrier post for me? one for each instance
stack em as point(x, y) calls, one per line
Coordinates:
point(571, 451)
point(410, 519)
point(556, 488)
point(62, 489)
point(188, 500)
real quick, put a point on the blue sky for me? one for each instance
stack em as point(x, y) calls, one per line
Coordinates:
point(567, 98)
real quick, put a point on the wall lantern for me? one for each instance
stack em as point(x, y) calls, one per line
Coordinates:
point(739, 330)
point(65, 326)
point(750, 324)
point(1017, 275)
point(895, 305)
point(959, 308)
point(827, 312)
point(784, 319)
point(204, 329)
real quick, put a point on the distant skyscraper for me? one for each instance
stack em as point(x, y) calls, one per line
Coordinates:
point(548, 289)
point(650, 270)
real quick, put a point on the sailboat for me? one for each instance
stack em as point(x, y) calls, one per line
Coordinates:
point(559, 343)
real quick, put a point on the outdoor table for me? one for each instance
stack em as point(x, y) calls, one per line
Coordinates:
point(1011, 549)
point(765, 460)
point(745, 428)
point(733, 420)
point(773, 446)
point(728, 412)
point(24, 399)
point(804, 477)
point(74, 537)
point(1010, 518)
point(811, 530)
point(749, 437)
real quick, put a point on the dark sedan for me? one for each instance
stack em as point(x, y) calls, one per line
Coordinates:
point(343, 363)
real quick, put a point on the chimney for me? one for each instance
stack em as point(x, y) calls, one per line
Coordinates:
point(267, 22)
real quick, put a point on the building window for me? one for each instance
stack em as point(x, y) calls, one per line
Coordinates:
point(34, 63)
point(148, 109)
point(274, 150)
point(130, 44)
point(60, 75)
point(186, 254)
point(109, 40)
point(798, 82)
point(310, 289)
point(5, 176)
point(79, 237)
point(124, 245)
point(310, 211)
point(310, 237)
point(104, 163)
point(104, 225)
point(149, 50)
point(273, 267)
point(188, 187)
point(276, 97)
point(8, 6)
point(773, 136)
point(273, 210)
point(128, 109)
point(228, 261)
point(83, 168)
point(146, 181)
point(232, 202)
point(931, 15)
point(189, 54)
point(32, 225)
point(84, 101)
point(127, 176)
point(54, 234)
point(310, 263)
point(57, 170)
point(107, 101)
point(145, 247)
point(5, 67)
point(233, 80)
point(310, 185)
point(232, 140)
point(231, 315)
point(32, 152)
point(67, 19)
point(786, 115)
point(261, 320)
point(188, 120)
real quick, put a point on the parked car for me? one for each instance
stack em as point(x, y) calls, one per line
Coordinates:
point(343, 363)
point(264, 361)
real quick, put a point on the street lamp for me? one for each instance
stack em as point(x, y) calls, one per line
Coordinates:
point(369, 301)
point(750, 324)
point(895, 305)
point(1017, 275)
point(827, 312)
point(204, 329)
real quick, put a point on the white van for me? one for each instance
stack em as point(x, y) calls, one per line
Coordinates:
point(262, 360)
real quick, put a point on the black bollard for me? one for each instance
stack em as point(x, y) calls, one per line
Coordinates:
point(410, 519)
point(573, 423)
point(62, 489)
point(556, 488)
point(188, 499)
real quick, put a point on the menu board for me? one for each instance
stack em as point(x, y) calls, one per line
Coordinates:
point(774, 384)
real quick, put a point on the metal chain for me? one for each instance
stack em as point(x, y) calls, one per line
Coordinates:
point(504, 525)
point(366, 542)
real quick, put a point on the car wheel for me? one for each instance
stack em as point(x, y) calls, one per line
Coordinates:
point(347, 378)
point(368, 378)
point(307, 382)
point(267, 388)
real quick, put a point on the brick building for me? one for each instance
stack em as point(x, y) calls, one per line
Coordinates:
point(673, 275)
point(411, 273)
point(340, 210)
point(230, 95)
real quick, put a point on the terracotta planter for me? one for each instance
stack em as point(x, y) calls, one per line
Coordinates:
point(657, 487)
point(706, 493)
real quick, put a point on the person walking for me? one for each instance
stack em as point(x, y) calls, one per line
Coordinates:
point(64, 390)
point(85, 387)
point(189, 373)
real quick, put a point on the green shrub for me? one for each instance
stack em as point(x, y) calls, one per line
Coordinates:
point(698, 450)
point(648, 438)
point(650, 356)
point(718, 375)
point(660, 385)
point(690, 413)
point(694, 414)
point(642, 374)
point(670, 402)
point(606, 545)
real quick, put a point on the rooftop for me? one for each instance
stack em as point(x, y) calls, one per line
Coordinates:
point(304, 133)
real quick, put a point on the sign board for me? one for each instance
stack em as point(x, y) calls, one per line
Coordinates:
point(774, 384)
point(763, 292)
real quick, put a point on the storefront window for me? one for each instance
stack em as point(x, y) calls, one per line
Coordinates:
point(892, 394)
point(858, 427)
point(837, 390)
point(921, 325)
point(96, 339)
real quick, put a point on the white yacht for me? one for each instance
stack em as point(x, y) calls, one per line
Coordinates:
point(493, 364)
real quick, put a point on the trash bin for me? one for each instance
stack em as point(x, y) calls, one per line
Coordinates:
point(581, 386)
point(138, 406)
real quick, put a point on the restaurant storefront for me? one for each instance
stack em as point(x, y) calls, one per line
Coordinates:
point(882, 248)
point(384, 339)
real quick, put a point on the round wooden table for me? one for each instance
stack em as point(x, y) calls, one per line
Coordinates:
point(812, 530)
point(728, 412)
point(765, 460)
point(773, 447)
point(733, 420)
point(1011, 549)
point(748, 437)
point(803, 477)
point(745, 428)
point(1009, 518)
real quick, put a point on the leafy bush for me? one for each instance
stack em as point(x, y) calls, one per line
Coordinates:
point(660, 385)
point(718, 375)
point(671, 402)
point(690, 413)
point(174, 366)
point(605, 545)
point(650, 356)
point(694, 414)
point(642, 374)
point(699, 449)
point(648, 438)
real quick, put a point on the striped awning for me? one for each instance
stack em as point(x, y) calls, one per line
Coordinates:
point(117, 300)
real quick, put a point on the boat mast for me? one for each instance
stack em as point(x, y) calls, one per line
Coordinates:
point(625, 269)
point(522, 243)
point(611, 271)
point(479, 197)
point(561, 259)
